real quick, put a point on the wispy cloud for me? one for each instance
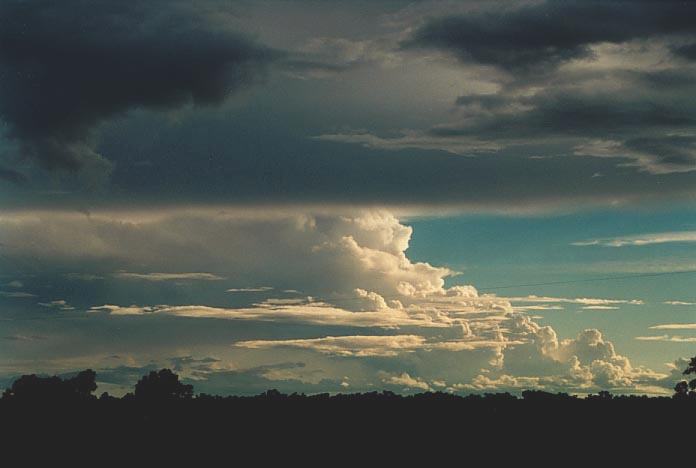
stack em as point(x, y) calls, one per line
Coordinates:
point(674, 326)
point(59, 304)
point(679, 303)
point(16, 294)
point(668, 339)
point(168, 276)
point(643, 239)
point(588, 302)
point(19, 337)
point(370, 346)
point(255, 289)
point(317, 313)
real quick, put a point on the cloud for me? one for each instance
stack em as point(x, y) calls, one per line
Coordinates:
point(586, 301)
point(168, 276)
point(369, 312)
point(642, 239)
point(371, 345)
point(12, 176)
point(16, 294)
point(405, 382)
point(411, 139)
point(94, 60)
point(256, 289)
point(674, 326)
point(313, 313)
point(60, 304)
point(679, 303)
point(324, 57)
point(667, 339)
point(547, 34)
point(360, 346)
point(687, 51)
point(18, 337)
point(314, 252)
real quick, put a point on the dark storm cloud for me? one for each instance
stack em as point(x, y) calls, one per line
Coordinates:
point(686, 51)
point(559, 113)
point(12, 176)
point(673, 150)
point(547, 34)
point(67, 66)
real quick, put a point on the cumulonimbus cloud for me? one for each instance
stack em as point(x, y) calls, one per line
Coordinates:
point(370, 302)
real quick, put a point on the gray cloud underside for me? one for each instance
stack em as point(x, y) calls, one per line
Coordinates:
point(549, 33)
point(607, 106)
point(68, 66)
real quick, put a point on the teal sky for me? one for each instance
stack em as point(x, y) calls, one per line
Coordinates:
point(493, 251)
point(346, 196)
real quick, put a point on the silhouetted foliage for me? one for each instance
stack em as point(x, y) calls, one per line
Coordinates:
point(162, 385)
point(686, 389)
point(35, 388)
point(163, 405)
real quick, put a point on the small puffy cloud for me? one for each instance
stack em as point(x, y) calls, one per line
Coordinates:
point(405, 382)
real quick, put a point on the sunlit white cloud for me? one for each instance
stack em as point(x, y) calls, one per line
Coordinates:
point(679, 303)
point(668, 338)
point(674, 326)
point(405, 381)
point(370, 346)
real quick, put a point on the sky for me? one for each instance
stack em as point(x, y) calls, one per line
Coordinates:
point(326, 196)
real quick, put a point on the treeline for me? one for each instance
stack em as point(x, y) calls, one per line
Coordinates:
point(162, 409)
point(165, 386)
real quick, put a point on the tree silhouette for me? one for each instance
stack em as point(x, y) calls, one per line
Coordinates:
point(685, 389)
point(161, 386)
point(36, 388)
